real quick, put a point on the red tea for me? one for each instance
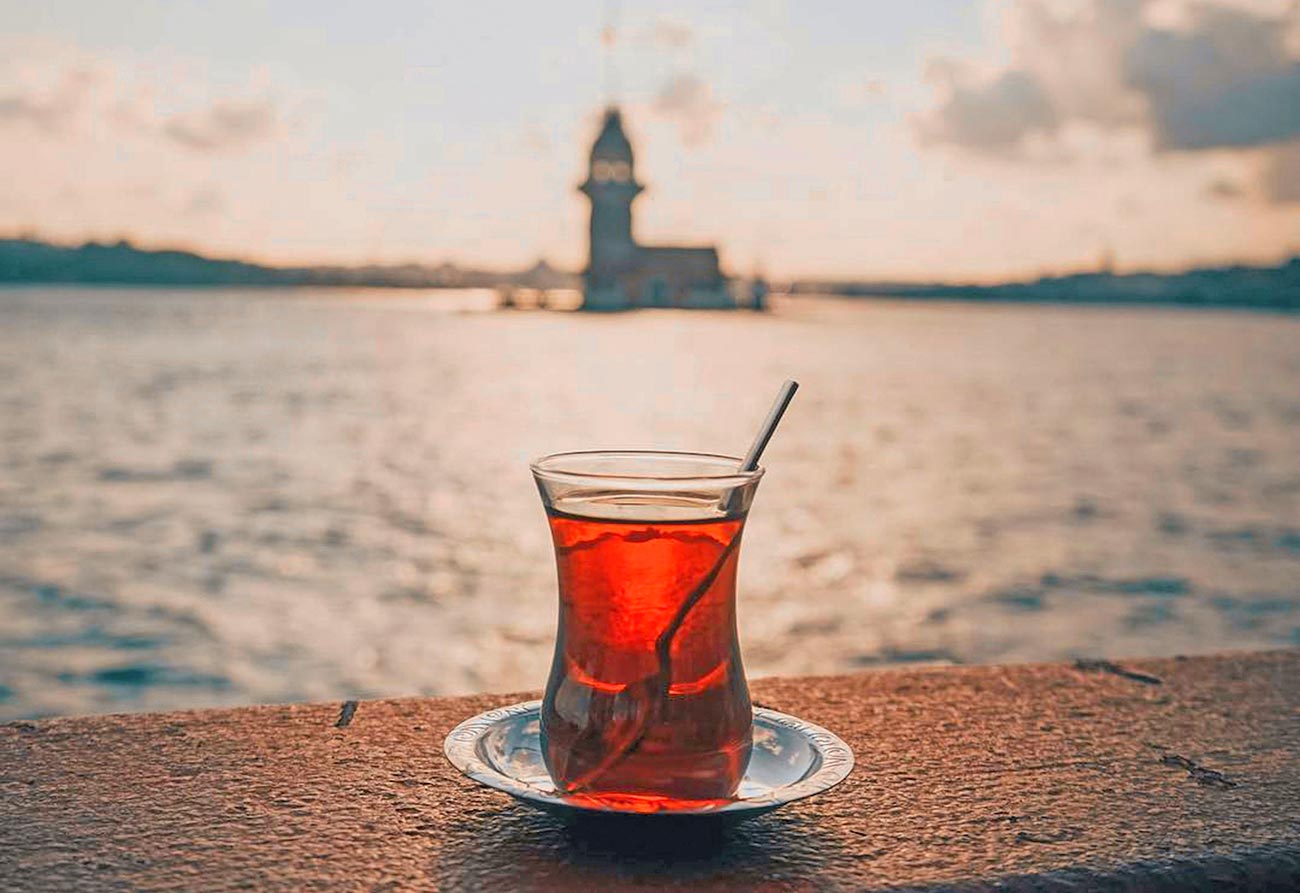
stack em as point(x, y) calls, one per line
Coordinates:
point(647, 704)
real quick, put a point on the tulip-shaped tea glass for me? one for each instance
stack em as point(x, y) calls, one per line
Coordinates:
point(646, 706)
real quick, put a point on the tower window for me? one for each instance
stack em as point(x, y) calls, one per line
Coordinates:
point(611, 171)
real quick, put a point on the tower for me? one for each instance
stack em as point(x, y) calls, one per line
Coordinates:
point(611, 187)
point(621, 273)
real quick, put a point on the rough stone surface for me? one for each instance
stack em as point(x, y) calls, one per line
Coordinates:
point(1155, 774)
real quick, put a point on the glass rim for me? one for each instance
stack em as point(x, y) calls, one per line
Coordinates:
point(734, 477)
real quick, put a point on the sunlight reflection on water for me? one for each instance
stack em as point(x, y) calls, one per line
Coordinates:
point(220, 497)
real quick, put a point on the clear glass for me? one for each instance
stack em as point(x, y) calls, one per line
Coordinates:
point(646, 704)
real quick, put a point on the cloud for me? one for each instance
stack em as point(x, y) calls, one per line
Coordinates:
point(59, 96)
point(1280, 178)
point(1227, 80)
point(50, 110)
point(1223, 189)
point(993, 117)
point(1198, 76)
point(535, 140)
point(688, 101)
point(671, 35)
point(226, 124)
point(662, 34)
point(204, 201)
point(859, 92)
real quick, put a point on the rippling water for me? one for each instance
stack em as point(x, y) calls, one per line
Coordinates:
point(225, 497)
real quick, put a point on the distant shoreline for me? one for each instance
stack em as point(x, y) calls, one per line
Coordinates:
point(34, 262)
point(121, 264)
point(228, 286)
point(1266, 288)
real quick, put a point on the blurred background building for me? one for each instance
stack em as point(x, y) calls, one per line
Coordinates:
point(621, 273)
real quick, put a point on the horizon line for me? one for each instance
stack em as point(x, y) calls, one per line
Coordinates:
point(1117, 269)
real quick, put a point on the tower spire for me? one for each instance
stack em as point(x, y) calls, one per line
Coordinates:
point(608, 62)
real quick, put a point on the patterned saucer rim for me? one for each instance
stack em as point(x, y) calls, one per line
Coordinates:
point(836, 761)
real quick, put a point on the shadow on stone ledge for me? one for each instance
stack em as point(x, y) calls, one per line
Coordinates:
point(518, 847)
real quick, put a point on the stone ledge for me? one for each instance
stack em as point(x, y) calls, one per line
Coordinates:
point(1144, 775)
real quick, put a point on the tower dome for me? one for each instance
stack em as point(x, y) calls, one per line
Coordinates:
point(612, 144)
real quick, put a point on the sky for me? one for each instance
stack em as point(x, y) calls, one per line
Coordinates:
point(875, 139)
